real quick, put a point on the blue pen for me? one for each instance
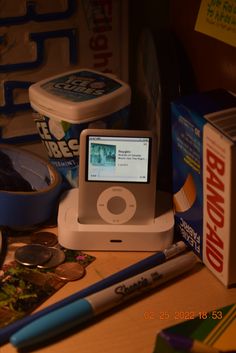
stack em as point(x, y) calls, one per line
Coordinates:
point(82, 310)
point(132, 270)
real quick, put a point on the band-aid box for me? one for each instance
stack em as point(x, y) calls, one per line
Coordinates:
point(204, 178)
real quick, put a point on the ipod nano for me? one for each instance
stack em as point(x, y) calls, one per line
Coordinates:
point(117, 177)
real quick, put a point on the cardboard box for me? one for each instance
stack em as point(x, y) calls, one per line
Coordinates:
point(204, 172)
point(214, 329)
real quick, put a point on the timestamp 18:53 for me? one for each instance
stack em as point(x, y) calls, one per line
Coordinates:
point(183, 315)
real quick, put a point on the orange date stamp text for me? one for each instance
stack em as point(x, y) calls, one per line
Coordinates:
point(182, 315)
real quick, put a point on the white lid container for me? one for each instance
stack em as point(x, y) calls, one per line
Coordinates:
point(79, 96)
point(68, 103)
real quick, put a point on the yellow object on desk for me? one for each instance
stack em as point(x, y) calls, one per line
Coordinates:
point(209, 332)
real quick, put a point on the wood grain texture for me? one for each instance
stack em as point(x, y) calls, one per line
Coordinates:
point(133, 328)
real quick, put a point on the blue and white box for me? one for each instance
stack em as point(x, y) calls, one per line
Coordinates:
point(204, 172)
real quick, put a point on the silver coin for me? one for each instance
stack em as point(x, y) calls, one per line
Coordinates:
point(44, 238)
point(70, 271)
point(33, 254)
point(58, 257)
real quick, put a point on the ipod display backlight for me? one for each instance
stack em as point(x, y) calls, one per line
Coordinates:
point(118, 159)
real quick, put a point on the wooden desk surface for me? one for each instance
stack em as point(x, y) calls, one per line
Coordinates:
point(133, 328)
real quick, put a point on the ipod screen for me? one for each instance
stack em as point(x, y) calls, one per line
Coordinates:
point(118, 159)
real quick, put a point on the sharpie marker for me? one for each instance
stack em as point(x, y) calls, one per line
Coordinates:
point(130, 271)
point(82, 310)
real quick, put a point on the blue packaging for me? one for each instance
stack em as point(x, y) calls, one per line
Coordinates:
point(204, 170)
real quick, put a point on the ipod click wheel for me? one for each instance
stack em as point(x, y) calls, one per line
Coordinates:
point(117, 177)
point(116, 205)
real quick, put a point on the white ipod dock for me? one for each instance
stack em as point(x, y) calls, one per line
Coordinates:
point(117, 177)
point(114, 206)
point(108, 237)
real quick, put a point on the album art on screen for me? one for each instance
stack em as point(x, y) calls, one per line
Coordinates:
point(103, 155)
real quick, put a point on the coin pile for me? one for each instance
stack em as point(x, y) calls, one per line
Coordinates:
point(43, 253)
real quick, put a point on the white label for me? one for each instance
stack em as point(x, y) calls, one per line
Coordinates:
point(216, 201)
